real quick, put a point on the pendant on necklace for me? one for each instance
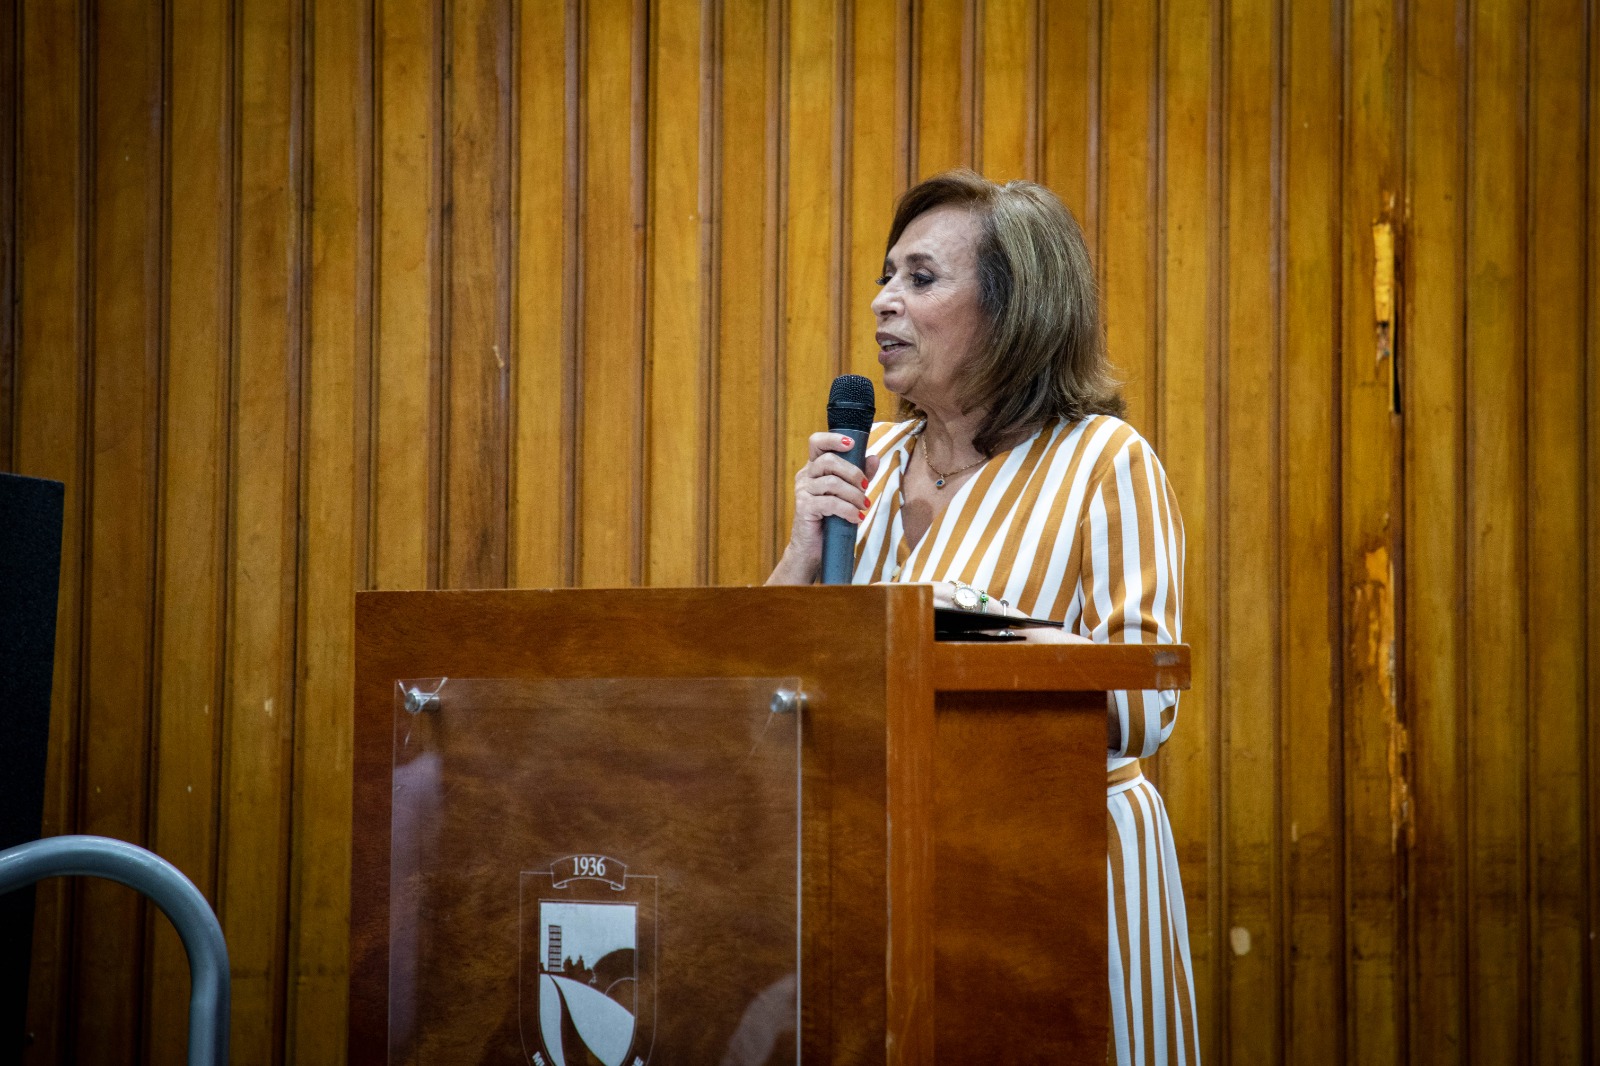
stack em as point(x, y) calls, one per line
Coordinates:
point(939, 484)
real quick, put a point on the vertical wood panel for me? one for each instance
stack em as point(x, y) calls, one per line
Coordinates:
point(1374, 736)
point(811, 268)
point(611, 434)
point(1009, 36)
point(1496, 563)
point(1125, 236)
point(1250, 601)
point(10, 91)
point(338, 335)
point(260, 709)
point(1069, 56)
point(1310, 828)
point(405, 431)
point(746, 496)
point(1188, 447)
point(1555, 472)
point(477, 311)
point(51, 435)
point(1435, 476)
point(944, 83)
point(879, 90)
point(675, 340)
point(542, 302)
point(124, 304)
point(1590, 446)
point(193, 517)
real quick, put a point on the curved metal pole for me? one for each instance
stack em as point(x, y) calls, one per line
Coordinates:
point(177, 897)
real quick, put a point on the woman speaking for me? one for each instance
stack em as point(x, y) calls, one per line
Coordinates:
point(1013, 487)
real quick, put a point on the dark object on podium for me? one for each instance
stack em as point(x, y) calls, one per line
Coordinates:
point(587, 823)
point(30, 575)
point(949, 623)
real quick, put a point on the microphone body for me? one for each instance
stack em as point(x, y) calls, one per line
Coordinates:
point(851, 406)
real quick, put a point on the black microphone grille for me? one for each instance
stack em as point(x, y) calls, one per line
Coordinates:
point(851, 388)
point(851, 402)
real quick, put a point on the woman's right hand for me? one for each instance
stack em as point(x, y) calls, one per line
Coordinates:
point(826, 485)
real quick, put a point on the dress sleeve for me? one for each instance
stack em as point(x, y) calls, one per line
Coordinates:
point(1130, 543)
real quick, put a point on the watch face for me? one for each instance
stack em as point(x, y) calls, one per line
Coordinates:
point(966, 598)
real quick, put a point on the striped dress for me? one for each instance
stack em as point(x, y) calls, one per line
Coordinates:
point(1078, 523)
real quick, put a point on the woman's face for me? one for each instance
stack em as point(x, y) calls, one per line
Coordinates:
point(927, 309)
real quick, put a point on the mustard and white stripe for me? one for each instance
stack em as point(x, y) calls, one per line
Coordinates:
point(1078, 524)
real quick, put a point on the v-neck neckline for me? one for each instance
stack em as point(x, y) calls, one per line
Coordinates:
point(906, 549)
point(906, 546)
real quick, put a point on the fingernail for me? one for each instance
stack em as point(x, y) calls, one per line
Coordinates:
point(863, 516)
point(848, 443)
point(864, 483)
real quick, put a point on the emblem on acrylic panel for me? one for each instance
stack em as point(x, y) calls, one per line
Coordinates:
point(588, 963)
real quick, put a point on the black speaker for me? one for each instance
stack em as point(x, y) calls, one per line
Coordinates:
point(30, 576)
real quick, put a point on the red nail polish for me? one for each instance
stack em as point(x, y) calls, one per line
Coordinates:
point(863, 516)
point(864, 484)
point(848, 443)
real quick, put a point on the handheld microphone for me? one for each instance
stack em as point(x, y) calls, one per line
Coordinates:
point(850, 410)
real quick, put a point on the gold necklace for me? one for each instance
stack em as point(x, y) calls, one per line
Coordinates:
point(940, 479)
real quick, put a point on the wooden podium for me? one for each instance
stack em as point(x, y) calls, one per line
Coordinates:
point(832, 835)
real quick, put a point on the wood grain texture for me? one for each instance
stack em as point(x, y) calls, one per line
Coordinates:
point(808, 355)
point(334, 373)
point(1497, 637)
point(192, 519)
point(1556, 770)
point(879, 93)
point(943, 43)
point(52, 438)
point(746, 487)
point(409, 74)
point(1591, 545)
point(1069, 97)
point(1124, 225)
point(543, 304)
point(1310, 825)
point(967, 667)
point(676, 347)
point(988, 864)
point(1006, 109)
point(1190, 343)
point(1374, 734)
point(477, 338)
point(1435, 507)
point(1251, 535)
point(611, 431)
point(124, 305)
point(10, 84)
point(911, 765)
point(261, 704)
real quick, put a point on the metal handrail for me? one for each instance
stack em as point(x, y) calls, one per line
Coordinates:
point(175, 894)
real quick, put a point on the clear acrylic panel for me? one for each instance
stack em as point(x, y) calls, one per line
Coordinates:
point(595, 871)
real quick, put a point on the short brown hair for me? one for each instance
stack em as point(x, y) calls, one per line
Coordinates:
point(1042, 355)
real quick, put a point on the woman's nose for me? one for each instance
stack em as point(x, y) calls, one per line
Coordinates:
point(886, 302)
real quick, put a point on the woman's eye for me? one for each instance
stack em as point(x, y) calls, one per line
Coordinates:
point(882, 281)
point(922, 281)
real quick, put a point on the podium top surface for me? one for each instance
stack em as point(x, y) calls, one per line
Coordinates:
point(668, 631)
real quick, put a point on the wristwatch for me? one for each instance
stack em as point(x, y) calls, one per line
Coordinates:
point(967, 598)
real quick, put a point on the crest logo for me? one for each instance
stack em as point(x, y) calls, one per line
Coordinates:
point(588, 963)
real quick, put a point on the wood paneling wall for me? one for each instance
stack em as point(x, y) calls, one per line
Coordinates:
point(300, 299)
